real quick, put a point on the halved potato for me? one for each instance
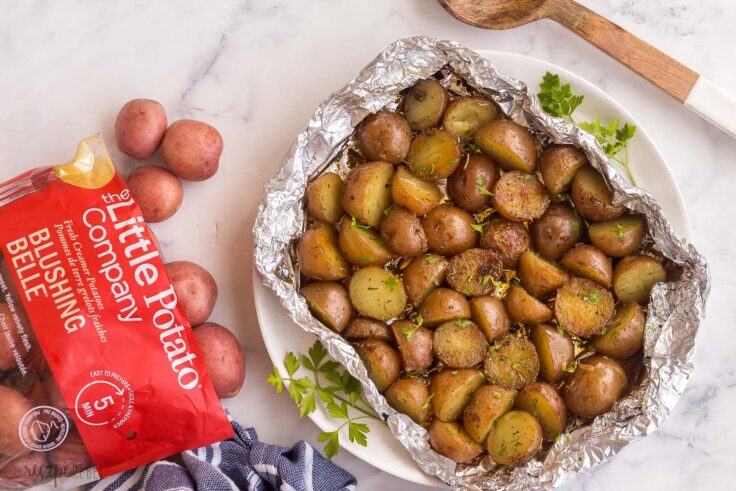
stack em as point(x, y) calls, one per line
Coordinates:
point(367, 192)
point(524, 308)
point(324, 196)
point(464, 116)
point(415, 345)
point(329, 302)
point(434, 155)
point(449, 231)
point(558, 165)
point(591, 196)
point(381, 360)
point(625, 335)
point(490, 315)
point(583, 307)
point(360, 245)
point(486, 405)
point(318, 254)
point(506, 238)
point(451, 391)
point(459, 344)
point(365, 328)
point(520, 197)
point(555, 232)
point(588, 261)
point(538, 276)
point(619, 237)
point(635, 276)
point(377, 293)
point(473, 272)
point(450, 440)
point(409, 396)
point(425, 103)
point(594, 386)
point(512, 362)
point(384, 136)
point(414, 193)
point(544, 403)
point(555, 350)
point(442, 305)
point(403, 233)
point(509, 144)
point(516, 437)
point(422, 275)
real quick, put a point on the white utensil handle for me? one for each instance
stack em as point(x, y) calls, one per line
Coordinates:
point(713, 104)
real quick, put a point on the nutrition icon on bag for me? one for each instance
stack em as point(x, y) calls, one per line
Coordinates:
point(43, 428)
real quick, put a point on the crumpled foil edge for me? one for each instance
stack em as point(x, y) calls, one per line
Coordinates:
point(675, 311)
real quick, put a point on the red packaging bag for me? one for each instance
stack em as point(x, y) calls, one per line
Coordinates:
point(93, 346)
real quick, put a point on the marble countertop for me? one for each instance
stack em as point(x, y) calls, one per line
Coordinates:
point(257, 69)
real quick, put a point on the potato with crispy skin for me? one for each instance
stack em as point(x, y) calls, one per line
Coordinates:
point(509, 144)
point(625, 335)
point(318, 254)
point(490, 315)
point(443, 305)
point(619, 237)
point(506, 238)
point(473, 272)
point(588, 261)
point(451, 390)
point(583, 307)
point(538, 276)
point(451, 440)
point(360, 245)
point(486, 405)
point(469, 187)
point(414, 193)
point(449, 230)
point(364, 328)
point(591, 196)
point(381, 360)
point(555, 351)
point(558, 165)
point(377, 293)
point(329, 303)
point(415, 344)
point(384, 136)
point(594, 386)
point(520, 197)
point(555, 232)
point(366, 193)
point(434, 155)
point(425, 103)
point(524, 308)
point(635, 276)
point(410, 396)
point(422, 275)
point(516, 437)
point(402, 232)
point(324, 198)
point(512, 362)
point(464, 116)
point(459, 344)
point(542, 401)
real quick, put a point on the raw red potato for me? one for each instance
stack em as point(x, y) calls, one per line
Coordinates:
point(158, 192)
point(192, 149)
point(196, 290)
point(140, 127)
point(224, 358)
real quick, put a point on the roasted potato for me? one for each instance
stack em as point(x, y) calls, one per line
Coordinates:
point(490, 315)
point(451, 391)
point(195, 288)
point(223, 357)
point(591, 196)
point(544, 403)
point(450, 440)
point(635, 276)
point(403, 233)
point(434, 156)
point(415, 345)
point(384, 136)
point(318, 254)
point(459, 344)
point(414, 193)
point(509, 144)
point(538, 276)
point(515, 438)
point(594, 386)
point(157, 191)
point(625, 335)
point(472, 272)
point(464, 116)
point(425, 103)
point(558, 165)
point(555, 351)
point(619, 237)
point(381, 361)
point(448, 230)
point(140, 128)
point(469, 187)
point(409, 396)
point(422, 275)
point(365, 328)
point(377, 293)
point(324, 198)
point(520, 197)
point(506, 238)
point(512, 362)
point(486, 405)
point(588, 261)
point(583, 307)
point(442, 305)
point(13, 406)
point(191, 149)
point(367, 192)
point(360, 245)
point(524, 308)
point(555, 232)
point(329, 302)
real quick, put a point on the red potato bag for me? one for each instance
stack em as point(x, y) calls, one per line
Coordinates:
point(92, 341)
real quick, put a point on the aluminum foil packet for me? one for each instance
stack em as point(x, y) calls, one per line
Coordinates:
point(674, 314)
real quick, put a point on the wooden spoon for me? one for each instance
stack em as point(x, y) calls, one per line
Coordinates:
point(674, 78)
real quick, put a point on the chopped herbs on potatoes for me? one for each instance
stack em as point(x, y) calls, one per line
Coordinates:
point(478, 227)
point(480, 186)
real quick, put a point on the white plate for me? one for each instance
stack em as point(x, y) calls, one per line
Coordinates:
point(281, 335)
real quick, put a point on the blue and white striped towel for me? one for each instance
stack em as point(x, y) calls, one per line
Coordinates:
point(242, 462)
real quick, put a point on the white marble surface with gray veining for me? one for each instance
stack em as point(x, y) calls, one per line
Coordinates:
point(257, 70)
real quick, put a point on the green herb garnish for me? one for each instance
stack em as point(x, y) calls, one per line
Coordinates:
point(354, 222)
point(431, 259)
point(462, 322)
point(426, 402)
point(478, 227)
point(391, 283)
point(593, 297)
point(557, 100)
point(480, 186)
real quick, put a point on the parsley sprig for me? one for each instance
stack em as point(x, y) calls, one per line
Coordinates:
point(328, 382)
point(558, 100)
